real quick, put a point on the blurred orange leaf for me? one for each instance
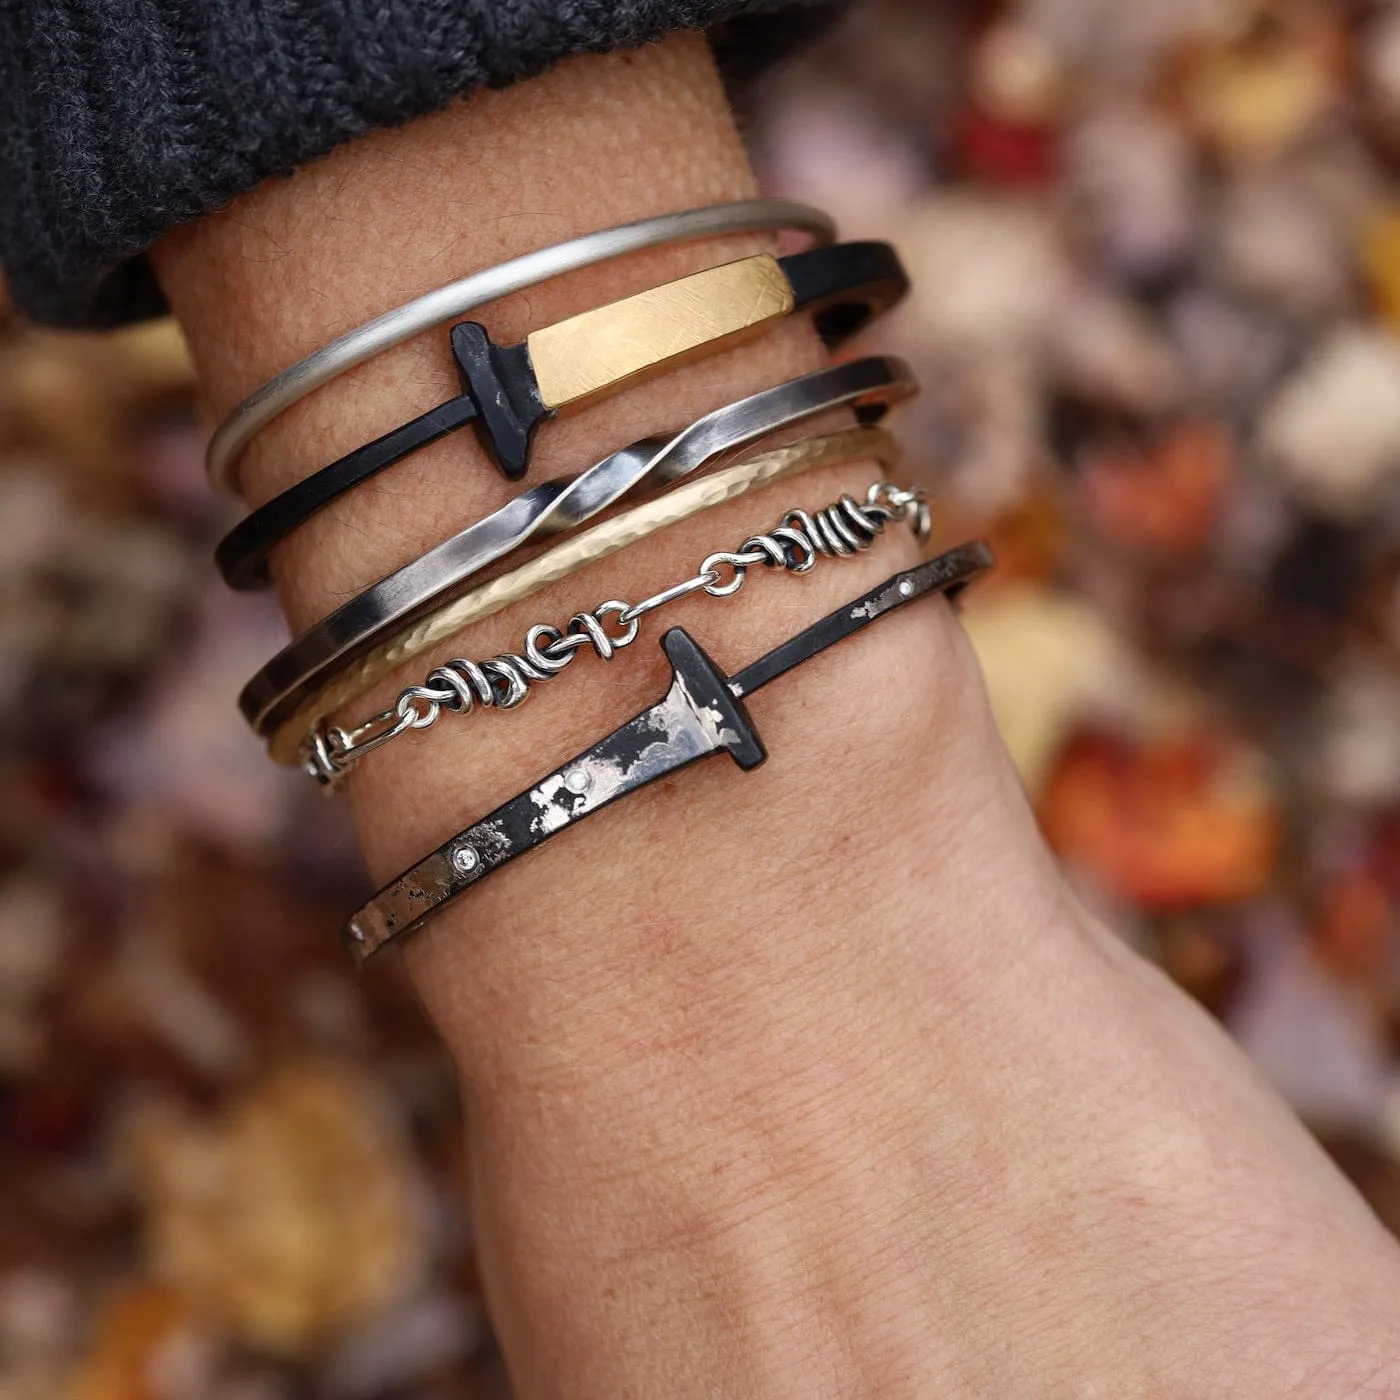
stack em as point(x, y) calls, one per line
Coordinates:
point(1166, 825)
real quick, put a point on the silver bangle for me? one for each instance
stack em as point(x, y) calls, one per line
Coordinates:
point(394, 327)
point(838, 531)
point(303, 666)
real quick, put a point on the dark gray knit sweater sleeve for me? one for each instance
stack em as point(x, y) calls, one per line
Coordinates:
point(120, 119)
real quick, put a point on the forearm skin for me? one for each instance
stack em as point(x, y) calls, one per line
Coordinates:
point(807, 1082)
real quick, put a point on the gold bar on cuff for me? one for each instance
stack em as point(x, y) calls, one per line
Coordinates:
point(598, 350)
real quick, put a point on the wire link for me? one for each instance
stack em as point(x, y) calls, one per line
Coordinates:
point(844, 528)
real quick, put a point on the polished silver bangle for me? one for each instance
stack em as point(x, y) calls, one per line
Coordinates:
point(301, 668)
point(838, 531)
point(372, 338)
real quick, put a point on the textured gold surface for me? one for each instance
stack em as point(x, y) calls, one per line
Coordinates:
point(604, 348)
point(587, 547)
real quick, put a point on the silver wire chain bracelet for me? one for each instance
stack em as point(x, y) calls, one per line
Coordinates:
point(842, 529)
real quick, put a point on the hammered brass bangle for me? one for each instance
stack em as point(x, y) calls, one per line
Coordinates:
point(285, 735)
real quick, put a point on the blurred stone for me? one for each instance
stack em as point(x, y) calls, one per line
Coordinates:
point(1230, 354)
point(989, 274)
point(1355, 756)
point(1312, 1038)
point(430, 1335)
point(1333, 430)
point(1378, 51)
point(1016, 75)
point(39, 1315)
point(1105, 349)
point(1270, 242)
point(1254, 99)
point(1049, 661)
point(1131, 183)
point(1119, 44)
point(294, 1215)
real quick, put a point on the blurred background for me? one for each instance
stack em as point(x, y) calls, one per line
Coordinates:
point(1156, 255)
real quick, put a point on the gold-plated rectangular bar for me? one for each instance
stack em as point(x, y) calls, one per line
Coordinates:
point(601, 349)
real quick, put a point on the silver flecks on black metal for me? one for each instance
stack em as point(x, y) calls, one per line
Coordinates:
point(702, 713)
point(799, 540)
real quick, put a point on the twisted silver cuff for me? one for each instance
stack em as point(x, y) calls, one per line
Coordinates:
point(300, 669)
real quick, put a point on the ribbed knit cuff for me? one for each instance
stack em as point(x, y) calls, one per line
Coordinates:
point(121, 119)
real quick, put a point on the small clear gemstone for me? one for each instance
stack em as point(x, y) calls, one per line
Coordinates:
point(906, 588)
point(465, 859)
point(579, 781)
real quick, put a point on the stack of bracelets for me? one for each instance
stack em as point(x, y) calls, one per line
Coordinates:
point(507, 392)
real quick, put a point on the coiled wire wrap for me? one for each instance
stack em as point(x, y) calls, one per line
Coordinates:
point(840, 530)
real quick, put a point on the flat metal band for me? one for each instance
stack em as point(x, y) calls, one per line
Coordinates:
point(295, 674)
point(843, 287)
point(702, 713)
point(589, 546)
point(598, 351)
point(374, 337)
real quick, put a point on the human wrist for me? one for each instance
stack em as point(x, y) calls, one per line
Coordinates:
point(215, 276)
point(847, 988)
